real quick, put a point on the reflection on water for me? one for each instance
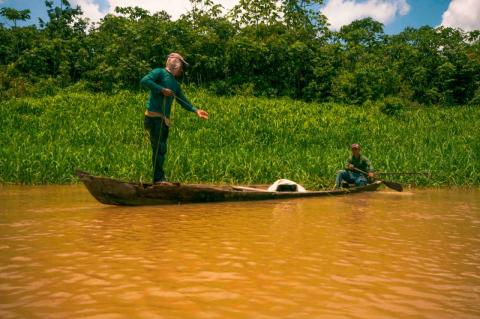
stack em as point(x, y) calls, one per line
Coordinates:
point(384, 254)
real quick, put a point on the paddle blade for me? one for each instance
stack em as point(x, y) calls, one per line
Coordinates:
point(396, 186)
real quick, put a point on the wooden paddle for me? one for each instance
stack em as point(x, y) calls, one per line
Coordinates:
point(396, 186)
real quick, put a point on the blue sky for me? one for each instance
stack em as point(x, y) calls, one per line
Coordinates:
point(395, 14)
point(422, 12)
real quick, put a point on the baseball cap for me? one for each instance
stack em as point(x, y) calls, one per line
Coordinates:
point(355, 146)
point(177, 56)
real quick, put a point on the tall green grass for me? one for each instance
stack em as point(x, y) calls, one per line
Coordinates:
point(246, 140)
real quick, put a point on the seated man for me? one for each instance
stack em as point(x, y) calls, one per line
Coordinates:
point(357, 169)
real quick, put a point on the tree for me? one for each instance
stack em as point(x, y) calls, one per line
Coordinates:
point(366, 32)
point(15, 15)
point(64, 21)
point(304, 15)
point(262, 47)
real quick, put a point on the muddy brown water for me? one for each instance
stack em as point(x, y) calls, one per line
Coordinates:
point(377, 255)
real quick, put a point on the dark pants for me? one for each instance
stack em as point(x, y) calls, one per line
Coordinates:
point(350, 177)
point(158, 132)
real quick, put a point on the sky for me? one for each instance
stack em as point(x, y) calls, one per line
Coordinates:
point(396, 15)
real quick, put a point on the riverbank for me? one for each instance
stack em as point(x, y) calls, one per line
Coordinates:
point(246, 140)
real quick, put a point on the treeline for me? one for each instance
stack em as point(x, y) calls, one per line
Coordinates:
point(261, 47)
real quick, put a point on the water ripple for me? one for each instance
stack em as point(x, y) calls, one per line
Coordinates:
point(367, 256)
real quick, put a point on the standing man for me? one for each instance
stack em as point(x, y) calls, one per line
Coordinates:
point(164, 87)
point(355, 163)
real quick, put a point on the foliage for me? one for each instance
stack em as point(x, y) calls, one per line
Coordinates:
point(392, 106)
point(246, 140)
point(261, 47)
point(15, 15)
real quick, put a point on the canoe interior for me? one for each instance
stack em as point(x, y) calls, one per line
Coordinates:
point(116, 192)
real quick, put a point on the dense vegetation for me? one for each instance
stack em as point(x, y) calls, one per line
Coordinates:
point(258, 48)
point(69, 96)
point(247, 139)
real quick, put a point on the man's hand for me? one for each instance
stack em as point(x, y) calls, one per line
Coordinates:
point(202, 114)
point(371, 174)
point(167, 92)
point(350, 166)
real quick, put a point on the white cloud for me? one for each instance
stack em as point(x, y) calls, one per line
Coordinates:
point(90, 9)
point(464, 14)
point(175, 8)
point(342, 12)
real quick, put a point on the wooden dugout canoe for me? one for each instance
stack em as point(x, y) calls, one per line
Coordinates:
point(115, 192)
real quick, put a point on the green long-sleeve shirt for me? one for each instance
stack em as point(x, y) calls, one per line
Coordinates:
point(361, 163)
point(157, 80)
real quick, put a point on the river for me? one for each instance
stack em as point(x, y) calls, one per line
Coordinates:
point(375, 255)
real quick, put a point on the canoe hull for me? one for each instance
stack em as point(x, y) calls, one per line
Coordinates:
point(115, 192)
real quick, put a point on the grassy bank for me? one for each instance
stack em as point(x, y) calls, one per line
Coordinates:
point(246, 140)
